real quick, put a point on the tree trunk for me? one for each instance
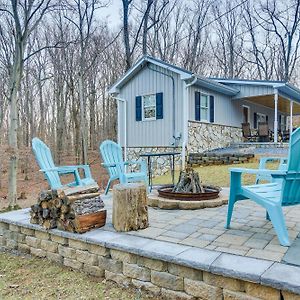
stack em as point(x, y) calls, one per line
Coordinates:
point(15, 81)
point(83, 130)
point(126, 34)
point(130, 211)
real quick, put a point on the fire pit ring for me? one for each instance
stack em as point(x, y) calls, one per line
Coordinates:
point(211, 192)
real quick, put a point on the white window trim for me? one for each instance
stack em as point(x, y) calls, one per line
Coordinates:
point(260, 115)
point(207, 108)
point(249, 114)
point(143, 111)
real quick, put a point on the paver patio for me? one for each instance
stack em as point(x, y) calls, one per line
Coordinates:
point(250, 234)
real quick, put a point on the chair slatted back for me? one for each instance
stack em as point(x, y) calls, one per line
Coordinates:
point(246, 130)
point(111, 153)
point(263, 129)
point(291, 183)
point(45, 161)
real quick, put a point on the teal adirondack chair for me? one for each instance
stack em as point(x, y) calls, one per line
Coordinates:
point(283, 191)
point(111, 153)
point(52, 173)
point(262, 166)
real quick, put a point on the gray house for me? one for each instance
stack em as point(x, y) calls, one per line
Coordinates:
point(161, 106)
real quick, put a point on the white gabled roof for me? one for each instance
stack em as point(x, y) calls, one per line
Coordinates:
point(184, 75)
point(139, 65)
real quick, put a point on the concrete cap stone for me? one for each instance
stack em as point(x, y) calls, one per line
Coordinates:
point(241, 267)
point(198, 258)
point(282, 276)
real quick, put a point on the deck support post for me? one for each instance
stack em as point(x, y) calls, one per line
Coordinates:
point(276, 116)
point(291, 117)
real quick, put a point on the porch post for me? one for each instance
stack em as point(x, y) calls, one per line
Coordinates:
point(276, 116)
point(291, 117)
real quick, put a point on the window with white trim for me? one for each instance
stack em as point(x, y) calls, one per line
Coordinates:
point(260, 118)
point(149, 107)
point(204, 107)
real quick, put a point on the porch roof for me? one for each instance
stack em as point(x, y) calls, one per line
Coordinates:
point(268, 101)
point(285, 89)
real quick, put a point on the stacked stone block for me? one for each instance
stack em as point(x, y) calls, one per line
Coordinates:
point(166, 280)
point(205, 159)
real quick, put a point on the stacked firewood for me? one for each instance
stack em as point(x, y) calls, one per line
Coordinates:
point(76, 209)
point(189, 182)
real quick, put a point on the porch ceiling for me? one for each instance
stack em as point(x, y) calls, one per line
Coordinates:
point(268, 101)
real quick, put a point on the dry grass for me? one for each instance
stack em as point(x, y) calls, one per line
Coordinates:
point(33, 278)
point(218, 174)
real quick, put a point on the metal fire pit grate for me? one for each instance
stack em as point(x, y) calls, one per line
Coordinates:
point(211, 192)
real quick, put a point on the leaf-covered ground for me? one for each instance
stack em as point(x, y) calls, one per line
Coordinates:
point(32, 278)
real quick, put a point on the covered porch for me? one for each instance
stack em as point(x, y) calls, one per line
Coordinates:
point(277, 110)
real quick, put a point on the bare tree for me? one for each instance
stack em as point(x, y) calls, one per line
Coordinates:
point(283, 20)
point(262, 50)
point(228, 41)
point(24, 18)
point(143, 25)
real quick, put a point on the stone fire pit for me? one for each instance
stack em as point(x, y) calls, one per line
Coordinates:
point(155, 200)
point(188, 193)
point(210, 192)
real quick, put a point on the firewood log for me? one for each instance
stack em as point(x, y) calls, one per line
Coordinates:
point(76, 209)
point(70, 199)
point(46, 213)
point(67, 191)
point(49, 223)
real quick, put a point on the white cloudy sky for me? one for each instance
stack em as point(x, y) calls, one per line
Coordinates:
point(112, 13)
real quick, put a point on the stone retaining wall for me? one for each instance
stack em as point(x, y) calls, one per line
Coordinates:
point(208, 136)
point(160, 164)
point(165, 279)
point(205, 159)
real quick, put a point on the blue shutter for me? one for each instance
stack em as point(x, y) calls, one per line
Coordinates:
point(159, 106)
point(211, 109)
point(138, 108)
point(197, 106)
point(255, 120)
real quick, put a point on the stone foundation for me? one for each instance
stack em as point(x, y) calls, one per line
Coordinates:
point(160, 164)
point(156, 267)
point(207, 136)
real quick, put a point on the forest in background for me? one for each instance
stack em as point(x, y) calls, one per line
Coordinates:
point(58, 58)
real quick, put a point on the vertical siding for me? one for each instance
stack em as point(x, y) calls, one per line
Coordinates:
point(252, 90)
point(157, 132)
point(226, 113)
point(229, 111)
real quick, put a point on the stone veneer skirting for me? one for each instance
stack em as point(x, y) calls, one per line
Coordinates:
point(208, 136)
point(160, 164)
point(167, 270)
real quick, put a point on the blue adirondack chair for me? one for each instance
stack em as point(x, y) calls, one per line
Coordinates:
point(51, 172)
point(262, 166)
point(283, 191)
point(111, 153)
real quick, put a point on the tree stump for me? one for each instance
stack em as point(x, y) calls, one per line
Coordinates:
point(130, 210)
